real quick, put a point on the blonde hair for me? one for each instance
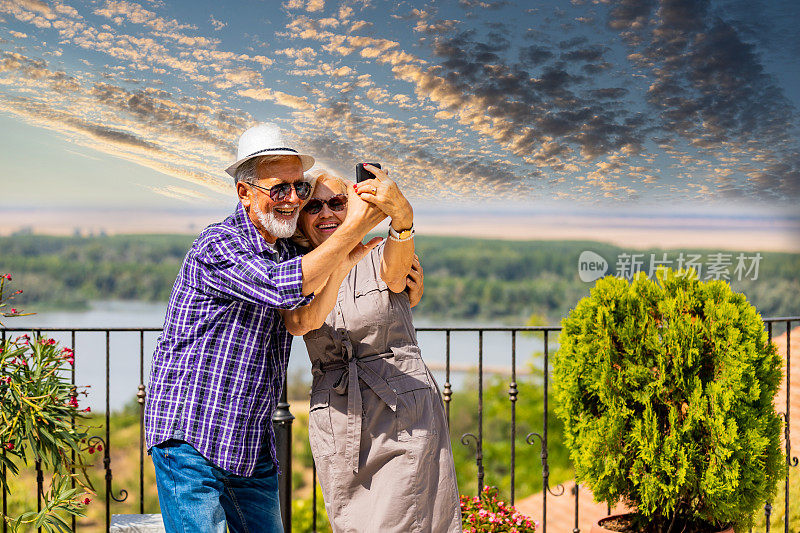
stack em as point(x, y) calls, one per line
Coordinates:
point(333, 182)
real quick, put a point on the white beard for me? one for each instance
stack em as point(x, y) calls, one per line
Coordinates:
point(280, 229)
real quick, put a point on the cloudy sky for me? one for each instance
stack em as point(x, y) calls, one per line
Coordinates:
point(124, 104)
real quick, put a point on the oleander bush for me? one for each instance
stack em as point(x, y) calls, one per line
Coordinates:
point(41, 424)
point(665, 389)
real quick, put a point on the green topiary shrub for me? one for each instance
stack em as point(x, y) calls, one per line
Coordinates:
point(665, 390)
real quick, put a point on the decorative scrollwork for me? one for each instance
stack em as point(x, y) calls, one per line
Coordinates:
point(123, 495)
point(93, 442)
point(530, 439)
point(791, 461)
point(465, 439)
point(531, 436)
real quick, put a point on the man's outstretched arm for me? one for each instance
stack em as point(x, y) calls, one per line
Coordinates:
point(320, 263)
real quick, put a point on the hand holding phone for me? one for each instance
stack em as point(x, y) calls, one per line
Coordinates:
point(362, 174)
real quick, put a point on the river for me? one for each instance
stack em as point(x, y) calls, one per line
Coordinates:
point(123, 371)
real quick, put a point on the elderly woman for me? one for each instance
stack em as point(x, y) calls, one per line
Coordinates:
point(377, 423)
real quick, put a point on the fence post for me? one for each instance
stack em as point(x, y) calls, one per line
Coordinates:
point(282, 420)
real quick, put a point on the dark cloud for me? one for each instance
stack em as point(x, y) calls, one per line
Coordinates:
point(477, 170)
point(572, 43)
point(590, 53)
point(115, 136)
point(609, 94)
point(709, 85)
point(331, 150)
point(778, 180)
point(155, 108)
point(630, 14)
point(534, 99)
point(596, 68)
point(706, 84)
point(556, 81)
point(772, 25)
point(707, 81)
point(484, 4)
point(535, 55)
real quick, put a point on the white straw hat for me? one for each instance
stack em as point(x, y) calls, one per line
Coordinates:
point(265, 139)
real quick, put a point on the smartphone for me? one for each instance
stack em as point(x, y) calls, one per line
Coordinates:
point(362, 174)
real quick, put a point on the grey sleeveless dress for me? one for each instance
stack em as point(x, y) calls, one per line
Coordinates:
point(377, 423)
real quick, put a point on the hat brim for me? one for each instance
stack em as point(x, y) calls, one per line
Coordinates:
point(305, 159)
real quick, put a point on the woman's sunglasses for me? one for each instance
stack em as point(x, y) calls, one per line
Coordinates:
point(336, 203)
point(280, 191)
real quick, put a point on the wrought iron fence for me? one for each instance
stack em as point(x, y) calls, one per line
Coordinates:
point(283, 418)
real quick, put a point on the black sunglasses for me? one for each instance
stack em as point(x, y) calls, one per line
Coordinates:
point(336, 203)
point(280, 191)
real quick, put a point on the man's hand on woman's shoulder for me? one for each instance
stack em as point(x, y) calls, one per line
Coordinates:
point(415, 282)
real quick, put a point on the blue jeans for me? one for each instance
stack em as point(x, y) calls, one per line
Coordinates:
point(196, 496)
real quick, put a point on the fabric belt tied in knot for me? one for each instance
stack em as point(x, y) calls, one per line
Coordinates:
point(355, 369)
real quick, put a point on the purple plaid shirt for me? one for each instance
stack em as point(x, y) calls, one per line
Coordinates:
point(220, 363)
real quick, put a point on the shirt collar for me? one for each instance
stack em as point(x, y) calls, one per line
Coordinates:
point(245, 226)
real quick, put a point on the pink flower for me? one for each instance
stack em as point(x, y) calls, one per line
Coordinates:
point(13, 310)
point(71, 360)
point(89, 410)
point(91, 450)
point(9, 445)
point(86, 501)
point(8, 277)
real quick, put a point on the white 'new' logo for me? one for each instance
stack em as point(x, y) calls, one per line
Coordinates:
point(591, 266)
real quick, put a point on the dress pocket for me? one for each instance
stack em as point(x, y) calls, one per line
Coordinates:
point(414, 415)
point(372, 300)
point(320, 428)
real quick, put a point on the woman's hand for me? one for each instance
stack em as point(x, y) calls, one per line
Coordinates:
point(361, 212)
point(385, 194)
point(415, 282)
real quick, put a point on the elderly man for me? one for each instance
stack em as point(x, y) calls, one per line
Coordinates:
point(220, 363)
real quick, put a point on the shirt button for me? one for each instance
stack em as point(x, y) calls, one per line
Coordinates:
point(394, 390)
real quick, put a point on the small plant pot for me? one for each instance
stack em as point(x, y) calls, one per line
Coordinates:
point(597, 527)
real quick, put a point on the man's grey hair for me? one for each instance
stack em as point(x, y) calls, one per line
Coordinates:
point(246, 172)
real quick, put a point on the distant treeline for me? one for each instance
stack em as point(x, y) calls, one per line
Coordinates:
point(464, 278)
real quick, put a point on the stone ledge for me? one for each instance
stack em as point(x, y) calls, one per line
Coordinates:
point(136, 523)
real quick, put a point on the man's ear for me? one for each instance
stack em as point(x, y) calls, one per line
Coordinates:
point(244, 192)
